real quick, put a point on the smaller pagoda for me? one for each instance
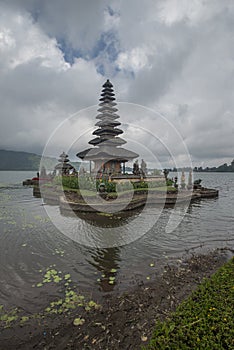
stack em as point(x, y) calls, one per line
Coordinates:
point(63, 166)
point(107, 154)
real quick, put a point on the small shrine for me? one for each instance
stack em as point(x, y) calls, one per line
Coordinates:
point(108, 155)
point(63, 167)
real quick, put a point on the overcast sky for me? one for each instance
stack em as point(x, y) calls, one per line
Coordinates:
point(172, 56)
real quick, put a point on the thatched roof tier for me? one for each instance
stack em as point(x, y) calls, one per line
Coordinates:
point(107, 122)
point(117, 141)
point(107, 98)
point(64, 166)
point(108, 92)
point(107, 108)
point(107, 84)
point(109, 104)
point(108, 115)
point(107, 153)
point(107, 131)
point(63, 158)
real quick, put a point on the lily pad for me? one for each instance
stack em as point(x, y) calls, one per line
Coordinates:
point(78, 321)
point(57, 279)
point(113, 270)
point(24, 319)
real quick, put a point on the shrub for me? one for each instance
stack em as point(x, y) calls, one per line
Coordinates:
point(140, 184)
point(110, 186)
point(75, 182)
point(89, 183)
point(169, 182)
point(70, 182)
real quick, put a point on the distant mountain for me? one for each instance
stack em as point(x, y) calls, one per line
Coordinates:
point(12, 160)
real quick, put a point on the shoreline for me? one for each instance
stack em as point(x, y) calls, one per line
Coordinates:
point(124, 321)
point(72, 201)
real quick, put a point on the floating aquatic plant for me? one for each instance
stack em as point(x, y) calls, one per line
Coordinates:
point(113, 270)
point(71, 300)
point(7, 318)
point(67, 276)
point(78, 321)
point(59, 252)
point(111, 280)
point(105, 214)
point(24, 319)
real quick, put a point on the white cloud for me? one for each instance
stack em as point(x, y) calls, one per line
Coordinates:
point(172, 11)
point(193, 12)
point(22, 41)
point(134, 60)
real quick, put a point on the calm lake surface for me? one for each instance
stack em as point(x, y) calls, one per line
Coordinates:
point(30, 243)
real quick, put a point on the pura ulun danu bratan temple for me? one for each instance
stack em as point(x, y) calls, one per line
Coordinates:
point(108, 155)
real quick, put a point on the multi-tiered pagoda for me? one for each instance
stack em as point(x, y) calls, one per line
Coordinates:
point(108, 155)
point(63, 166)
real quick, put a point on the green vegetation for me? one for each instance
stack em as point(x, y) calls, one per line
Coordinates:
point(78, 321)
point(7, 318)
point(204, 321)
point(88, 187)
point(92, 185)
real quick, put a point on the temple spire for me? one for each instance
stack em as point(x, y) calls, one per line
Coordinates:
point(109, 155)
point(107, 131)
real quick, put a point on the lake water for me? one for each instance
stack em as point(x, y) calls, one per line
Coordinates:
point(30, 243)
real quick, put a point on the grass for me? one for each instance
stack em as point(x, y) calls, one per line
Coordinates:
point(204, 321)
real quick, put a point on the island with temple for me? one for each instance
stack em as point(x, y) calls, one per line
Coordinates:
point(107, 183)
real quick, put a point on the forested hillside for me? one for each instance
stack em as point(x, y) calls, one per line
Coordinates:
point(12, 160)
